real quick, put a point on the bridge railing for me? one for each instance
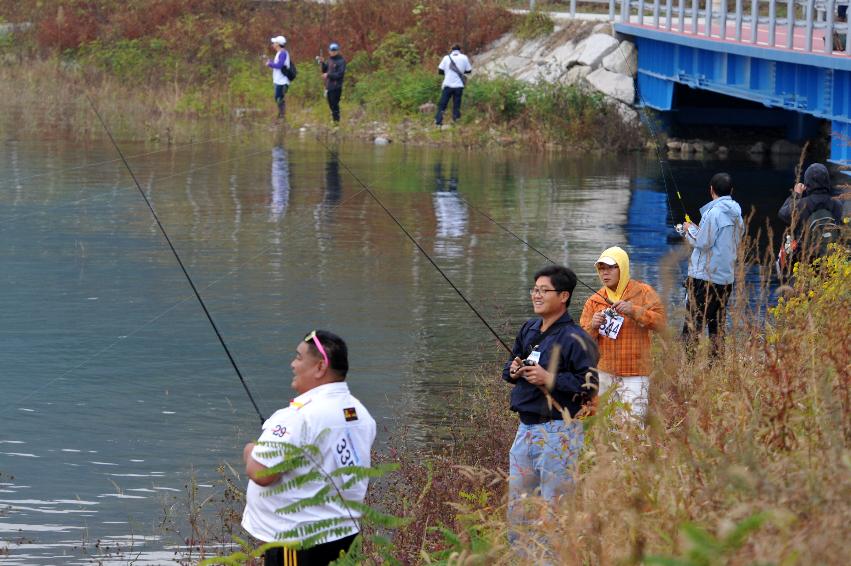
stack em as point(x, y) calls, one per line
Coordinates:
point(808, 25)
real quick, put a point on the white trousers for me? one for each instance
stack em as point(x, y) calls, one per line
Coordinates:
point(631, 390)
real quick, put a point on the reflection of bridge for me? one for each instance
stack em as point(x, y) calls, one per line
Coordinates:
point(789, 55)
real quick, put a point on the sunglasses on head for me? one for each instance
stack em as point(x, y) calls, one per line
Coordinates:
point(312, 336)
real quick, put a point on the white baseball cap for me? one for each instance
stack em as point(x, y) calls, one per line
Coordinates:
point(280, 40)
point(608, 260)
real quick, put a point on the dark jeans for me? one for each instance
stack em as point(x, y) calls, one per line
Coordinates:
point(447, 93)
point(334, 103)
point(706, 303)
point(280, 96)
point(319, 555)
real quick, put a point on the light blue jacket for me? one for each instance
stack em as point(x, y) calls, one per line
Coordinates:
point(716, 241)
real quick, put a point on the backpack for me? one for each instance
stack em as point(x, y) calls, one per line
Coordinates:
point(289, 71)
point(823, 231)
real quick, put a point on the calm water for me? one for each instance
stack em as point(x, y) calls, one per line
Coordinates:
point(114, 387)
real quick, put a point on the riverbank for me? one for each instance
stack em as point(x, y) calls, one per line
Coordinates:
point(744, 458)
point(144, 76)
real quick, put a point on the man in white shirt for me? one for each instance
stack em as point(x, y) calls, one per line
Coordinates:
point(326, 416)
point(280, 62)
point(454, 67)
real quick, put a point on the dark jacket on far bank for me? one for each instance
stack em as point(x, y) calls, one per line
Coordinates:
point(578, 355)
point(335, 66)
point(816, 196)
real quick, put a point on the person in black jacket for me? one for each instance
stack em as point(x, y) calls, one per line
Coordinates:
point(807, 197)
point(333, 72)
point(544, 455)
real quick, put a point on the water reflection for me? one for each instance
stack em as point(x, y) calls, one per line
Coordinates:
point(306, 257)
point(280, 181)
point(333, 189)
point(450, 212)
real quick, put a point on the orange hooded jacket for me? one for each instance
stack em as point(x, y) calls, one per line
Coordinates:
point(629, 354)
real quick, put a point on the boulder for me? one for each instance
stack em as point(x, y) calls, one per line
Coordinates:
point(560, 55)
point(532, 47)
point(511, 65)
point(627, 113)
point(785, 147)
point(573, 57)
point(674, 144)
point(576, 75)
point(623, 60)
point(381, 140)
point(428, 108)
point(757, 148)
point(708, 145)
point(686, 148)
point(596, 47)
point(620, 87)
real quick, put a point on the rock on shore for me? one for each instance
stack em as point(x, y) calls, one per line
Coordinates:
point(576, 53)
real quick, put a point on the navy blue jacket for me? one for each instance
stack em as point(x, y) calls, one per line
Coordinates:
point(336, 68)
point(578, 355)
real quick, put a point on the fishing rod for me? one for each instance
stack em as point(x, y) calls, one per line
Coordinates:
point(5, 222)
point(656, 144)
point(177, 257)
point(530, 246)
point(544, 390)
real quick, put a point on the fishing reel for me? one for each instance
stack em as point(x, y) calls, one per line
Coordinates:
point(528, 362)
point(610, 312)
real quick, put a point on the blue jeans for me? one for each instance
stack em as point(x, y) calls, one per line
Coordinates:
point(542, 461)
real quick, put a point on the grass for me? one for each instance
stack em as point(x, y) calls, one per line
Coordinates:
point(496, 112)
point(744, 459)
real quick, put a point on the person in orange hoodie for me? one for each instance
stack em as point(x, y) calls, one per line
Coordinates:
point(622, 328)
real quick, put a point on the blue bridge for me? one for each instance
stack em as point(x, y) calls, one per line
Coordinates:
point(788, 55)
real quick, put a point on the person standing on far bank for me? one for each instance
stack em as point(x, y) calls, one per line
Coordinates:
point(454, 67)
point(279, 78)
point(711, 268)
point(333, 72)
point(324, 416)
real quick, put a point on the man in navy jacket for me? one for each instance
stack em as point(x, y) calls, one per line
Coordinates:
point(544, 455)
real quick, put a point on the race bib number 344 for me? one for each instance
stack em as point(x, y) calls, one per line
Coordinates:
point(612, 325)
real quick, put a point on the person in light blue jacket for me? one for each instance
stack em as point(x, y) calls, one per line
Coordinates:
point(711, 268)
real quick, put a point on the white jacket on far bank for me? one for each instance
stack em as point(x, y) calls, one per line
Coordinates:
point(451, 79)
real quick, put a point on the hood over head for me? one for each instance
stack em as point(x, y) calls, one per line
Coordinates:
point(816, 177)
point(620, 256)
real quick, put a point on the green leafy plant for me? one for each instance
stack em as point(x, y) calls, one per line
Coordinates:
point(534, 24)
point(706, 549)
point(300, 467)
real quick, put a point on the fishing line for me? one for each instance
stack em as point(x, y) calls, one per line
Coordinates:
point(179, 261)
point(159, 316)
point(530, 246)
point(108, 161)
point(6, 221)
point(419, 247)
point(656, 144)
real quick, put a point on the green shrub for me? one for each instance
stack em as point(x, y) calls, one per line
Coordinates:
point(397, 50)
point(134, 61)
point(246, 86)
point(500, 98)
point(534, 24)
